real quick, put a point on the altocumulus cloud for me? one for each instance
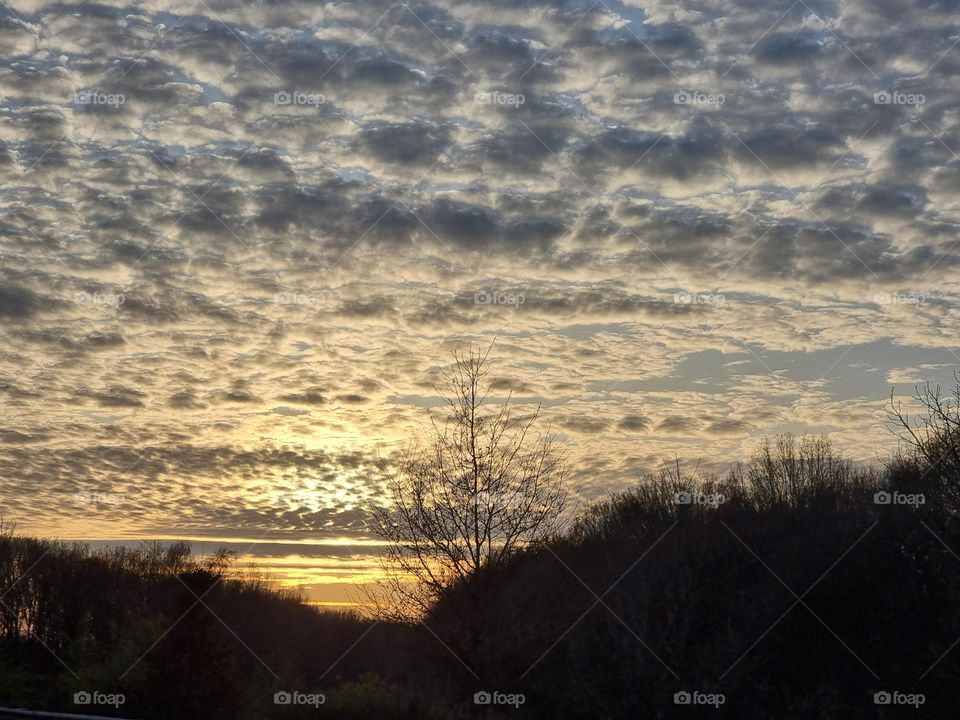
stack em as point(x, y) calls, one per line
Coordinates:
point(718, 216)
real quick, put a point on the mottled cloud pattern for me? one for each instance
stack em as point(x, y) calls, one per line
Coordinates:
point(239, 239)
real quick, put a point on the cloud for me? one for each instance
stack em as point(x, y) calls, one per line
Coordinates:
point(633, 423)
point(119, 396)
point(310, 396)
point(726, 426)
point(411, 143)
point(18, 303)
point(294, 274)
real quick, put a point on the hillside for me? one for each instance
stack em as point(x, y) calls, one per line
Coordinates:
point(799, 585)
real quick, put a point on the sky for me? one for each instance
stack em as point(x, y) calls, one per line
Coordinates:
point(238, 242)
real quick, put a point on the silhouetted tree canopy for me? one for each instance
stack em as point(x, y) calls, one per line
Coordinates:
point(798, 585)
point(484, 489)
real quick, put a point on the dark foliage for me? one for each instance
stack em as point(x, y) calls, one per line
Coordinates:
point(183, 638)
point(798, 586)
point(800, 595)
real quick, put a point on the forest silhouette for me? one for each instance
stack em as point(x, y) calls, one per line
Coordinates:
point(798, 585)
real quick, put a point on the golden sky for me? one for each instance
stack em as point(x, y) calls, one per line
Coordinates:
point(238, 244)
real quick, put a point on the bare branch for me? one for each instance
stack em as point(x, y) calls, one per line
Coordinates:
point(485, 489)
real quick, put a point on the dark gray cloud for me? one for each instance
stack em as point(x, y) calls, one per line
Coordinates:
point(412, 143)
point(18, 303)
point(633, 423)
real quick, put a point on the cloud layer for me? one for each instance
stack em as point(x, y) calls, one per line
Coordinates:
point(237, 242)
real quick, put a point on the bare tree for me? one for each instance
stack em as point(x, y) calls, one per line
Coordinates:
point(484, 487)
point(933, 436)
point(937, 430)
point(794, 472)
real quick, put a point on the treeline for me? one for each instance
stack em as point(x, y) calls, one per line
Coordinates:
point(798, 586)
point(176, 636)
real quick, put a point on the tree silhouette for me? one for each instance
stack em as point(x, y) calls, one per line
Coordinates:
point(486, 487)
point(932, 441)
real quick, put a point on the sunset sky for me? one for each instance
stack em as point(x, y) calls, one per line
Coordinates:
point(240, 240)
